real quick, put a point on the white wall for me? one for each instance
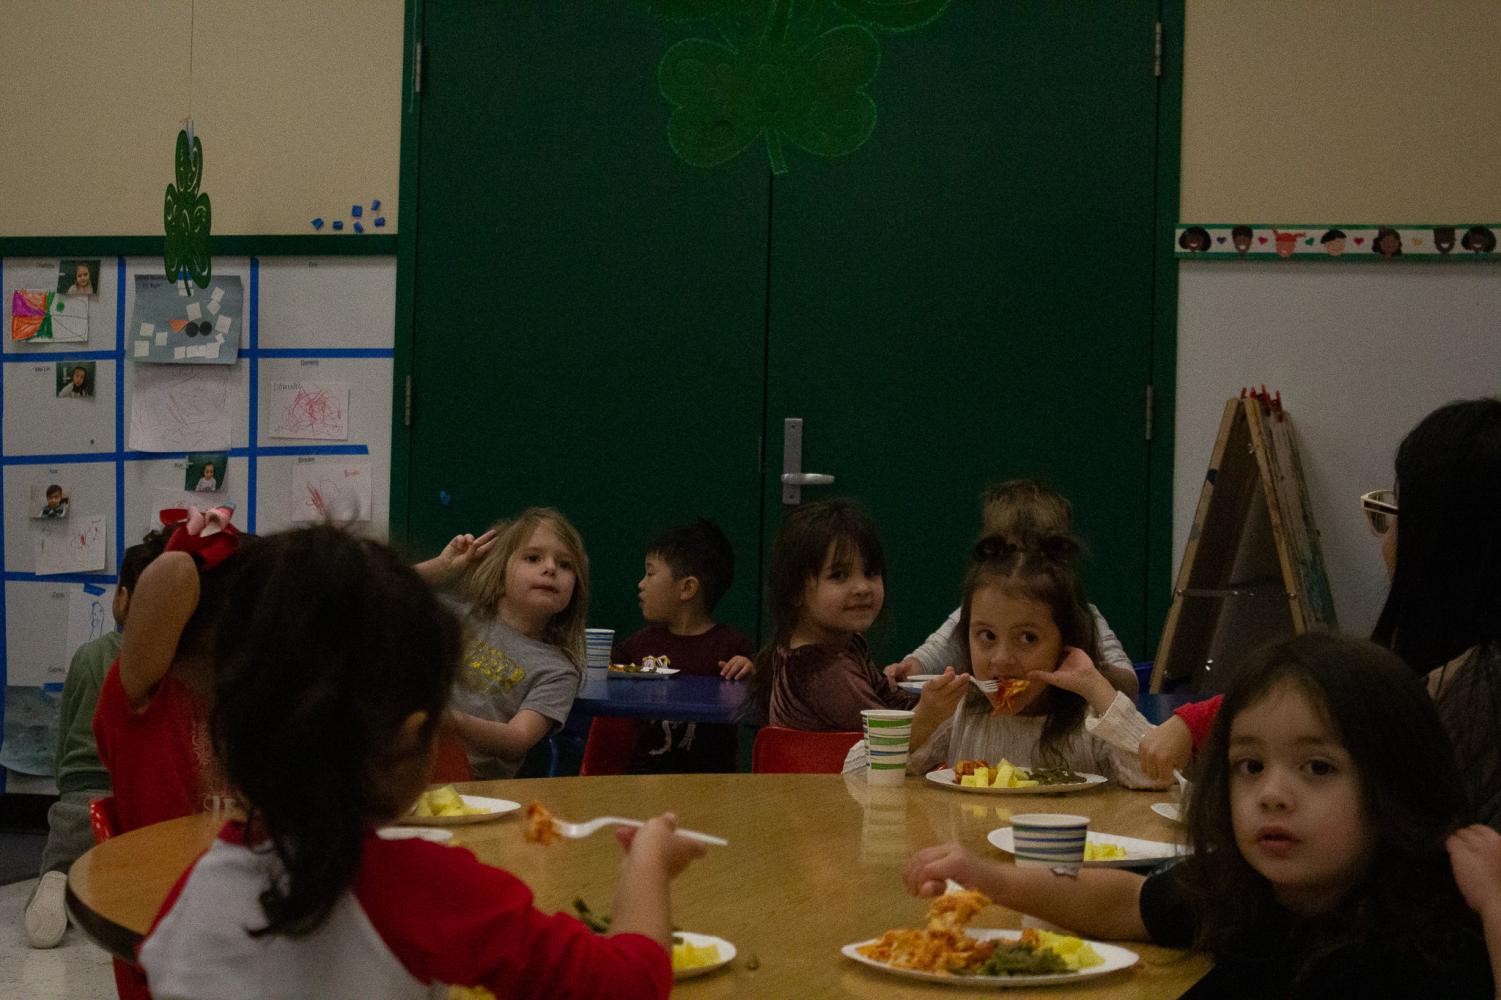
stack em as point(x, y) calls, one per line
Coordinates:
point(1360, 353)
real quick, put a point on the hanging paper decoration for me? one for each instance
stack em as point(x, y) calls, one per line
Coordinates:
point(188, 215)
point(1358, 242)
point(777, 73)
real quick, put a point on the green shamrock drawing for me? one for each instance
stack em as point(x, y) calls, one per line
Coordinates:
point(776, 78)
point(187, 216)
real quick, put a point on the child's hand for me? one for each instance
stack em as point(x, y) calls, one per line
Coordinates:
point(466, 550)
point(905, 668)
point(1077, 673)
point(1166, 747)
point(656, 841)
point(943, 693)
point(736, 668)
point(1475, 853)
point(929, 870)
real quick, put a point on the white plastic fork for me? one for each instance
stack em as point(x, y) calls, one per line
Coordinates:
point(576, 831)
point(989, 687)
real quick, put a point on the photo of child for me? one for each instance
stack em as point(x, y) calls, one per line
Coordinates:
point(49, 501)
point(205, 473)
point(75, 379)
point(78, 277)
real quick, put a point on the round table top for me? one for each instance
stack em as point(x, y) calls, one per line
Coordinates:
point(814, 863)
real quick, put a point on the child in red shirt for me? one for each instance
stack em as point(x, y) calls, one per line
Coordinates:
point(325, 715)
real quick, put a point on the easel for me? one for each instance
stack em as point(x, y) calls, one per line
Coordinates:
point(1252, 570)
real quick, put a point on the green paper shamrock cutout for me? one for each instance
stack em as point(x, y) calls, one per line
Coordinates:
point(770, 83)
point(187, 216)
point(894, 15)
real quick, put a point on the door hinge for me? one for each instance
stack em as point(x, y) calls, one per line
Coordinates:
point(1156, 49)
point(420, 49)
point(1149, 412)
point(406, 420)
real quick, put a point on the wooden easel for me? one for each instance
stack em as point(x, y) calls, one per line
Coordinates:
point(1252, 570)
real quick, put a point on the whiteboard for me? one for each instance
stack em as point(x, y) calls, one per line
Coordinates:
point(326, 319)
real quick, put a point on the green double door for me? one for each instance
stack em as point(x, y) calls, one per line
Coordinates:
point(967, 296)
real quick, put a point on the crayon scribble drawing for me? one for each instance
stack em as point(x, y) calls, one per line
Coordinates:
point(72, 546)
point(178, 408)
point(328, 491)
point(318, 410)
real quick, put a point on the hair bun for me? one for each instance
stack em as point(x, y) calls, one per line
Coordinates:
point(1058, 547)
point(993, 547)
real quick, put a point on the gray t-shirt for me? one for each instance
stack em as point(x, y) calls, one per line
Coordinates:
point(500, 673)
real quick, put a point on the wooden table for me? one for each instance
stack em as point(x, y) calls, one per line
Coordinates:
point(679, 698)
point(813, 864)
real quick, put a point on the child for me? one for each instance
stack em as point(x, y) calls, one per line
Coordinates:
point(208, 482)
point(527, 585)
point(1027, 620)
point(1318, 866)
point(328, 702)
point(56, 506)
point(151, 723)
point(1011, 509)
point(688, 569)
point(825, 588)
point(81, 776)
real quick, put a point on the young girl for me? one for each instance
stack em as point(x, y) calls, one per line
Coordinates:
point(1318, 865)
point(1012, 509)
point(1026, 619)
point(329, 695)
point(528, 593)
point(825, 588)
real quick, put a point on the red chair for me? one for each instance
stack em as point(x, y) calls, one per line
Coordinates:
point(104, 821)
point(794, 751)
point(608, 748)
point(451, 762)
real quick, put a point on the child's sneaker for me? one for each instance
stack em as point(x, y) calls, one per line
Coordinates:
point(47, 913)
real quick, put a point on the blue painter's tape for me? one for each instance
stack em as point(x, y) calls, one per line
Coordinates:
point(375, 204)
point(255, 385)
point(338, 223)
point(317, 223)
point(119, 531)
point(89, 588)
point(356, 210)
point(325, 352)
point(100, 578)
point(4, 651)
point(380, 222)
point(359, 227)
point(18, 358)
point(299, 450)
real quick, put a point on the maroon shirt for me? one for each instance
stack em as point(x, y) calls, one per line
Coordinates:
point(824, 689)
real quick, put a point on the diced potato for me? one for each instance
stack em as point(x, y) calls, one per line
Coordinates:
point(690, 956)
point(1001, 777)
point(1102, 852)
point(1076, 952)
point(971, 781)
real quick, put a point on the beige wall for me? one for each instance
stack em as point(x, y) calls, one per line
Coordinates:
point(298, 106)
point(1353, 111)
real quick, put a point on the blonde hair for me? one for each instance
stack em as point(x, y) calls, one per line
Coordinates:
point(1025, 507)
point(487, 582)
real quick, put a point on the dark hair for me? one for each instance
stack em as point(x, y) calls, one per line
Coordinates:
point(698, 549)
point(1479, 239)
point(1410, 791)
point(140, 555)
point(1194, 238)
point(1445, 593)
point(1382, 234)
point(811, 534)
point(1019, 506)
point(330, 643)
point(1036, 567)
point(1332, 235)
point(1240, 231)
point(54, 488)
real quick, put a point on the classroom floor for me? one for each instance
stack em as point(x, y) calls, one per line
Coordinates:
point(76, 969)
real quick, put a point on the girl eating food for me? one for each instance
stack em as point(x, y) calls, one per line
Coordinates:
point(1318, 866)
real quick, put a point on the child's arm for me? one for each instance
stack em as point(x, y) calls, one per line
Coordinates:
point(1097, 903)
point(462, 552)
point(1475, 853)
point(1167, 747)
point(1114, 663)
point(507, 740)
point(163, 601)
point(940, 696)
point(736, 668)
point(655, 855)
point(932, 656)
point(1199, 716)
point(1118, 724)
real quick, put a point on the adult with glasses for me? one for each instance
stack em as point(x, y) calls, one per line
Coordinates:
point(1440, 531)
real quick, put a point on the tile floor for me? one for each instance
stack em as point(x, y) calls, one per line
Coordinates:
point(76, 970)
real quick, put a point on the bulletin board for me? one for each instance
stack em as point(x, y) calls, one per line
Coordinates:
point(308, 331)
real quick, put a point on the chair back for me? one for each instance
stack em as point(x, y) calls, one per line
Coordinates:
point(608, 748)
point(794, 751)
point(451, 761)
point(104, 818)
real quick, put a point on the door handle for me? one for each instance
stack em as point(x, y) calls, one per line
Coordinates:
point(793, 476)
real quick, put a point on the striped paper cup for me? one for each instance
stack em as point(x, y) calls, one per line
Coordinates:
point(886, 718)
point(1049, 840)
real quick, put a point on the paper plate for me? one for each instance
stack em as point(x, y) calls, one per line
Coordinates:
point(432, 833)
point(726, 954)
point(1116, 958)
point(1139, 853)
point(494, 808)
point(1168, 811)
point(660, 674)
point(944, 777)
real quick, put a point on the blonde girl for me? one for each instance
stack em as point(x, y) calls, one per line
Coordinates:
point(526, 589)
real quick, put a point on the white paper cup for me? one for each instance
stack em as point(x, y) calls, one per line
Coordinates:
point(886, 718)
point(598, 642)
point(1049, 840)
point(888, 738)
point(886, 774)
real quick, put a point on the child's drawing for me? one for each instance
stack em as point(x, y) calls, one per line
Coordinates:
point(72, 546)
point(179, 409)
point(326, 491)
point(40, 316)
point(310, 410)
point(193, 330)
point(89, 618)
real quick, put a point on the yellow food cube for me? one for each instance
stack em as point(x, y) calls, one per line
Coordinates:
point(1102, 852)
point(1023, 783)
point(971, 781)
point(1075, 952)
point(422, 808)
point(691, 956)
point(1002, 776)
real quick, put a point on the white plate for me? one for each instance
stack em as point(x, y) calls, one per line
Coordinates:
point(659, 674)
point(1139, 853)
point(1168, 811)
point(945, 778)
point(1116, 959)
point(432, 833)
point(916, 681)
point(493, 809)
point(726, 953)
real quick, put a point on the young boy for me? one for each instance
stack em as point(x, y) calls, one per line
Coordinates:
point(688, 569)
point(80, 775)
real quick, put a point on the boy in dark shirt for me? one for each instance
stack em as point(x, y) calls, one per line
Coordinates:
point(688, 569)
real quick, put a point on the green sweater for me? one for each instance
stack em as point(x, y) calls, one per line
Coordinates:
point(78, 766)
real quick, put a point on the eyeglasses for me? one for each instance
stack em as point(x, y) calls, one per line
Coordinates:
point(1380, 508)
